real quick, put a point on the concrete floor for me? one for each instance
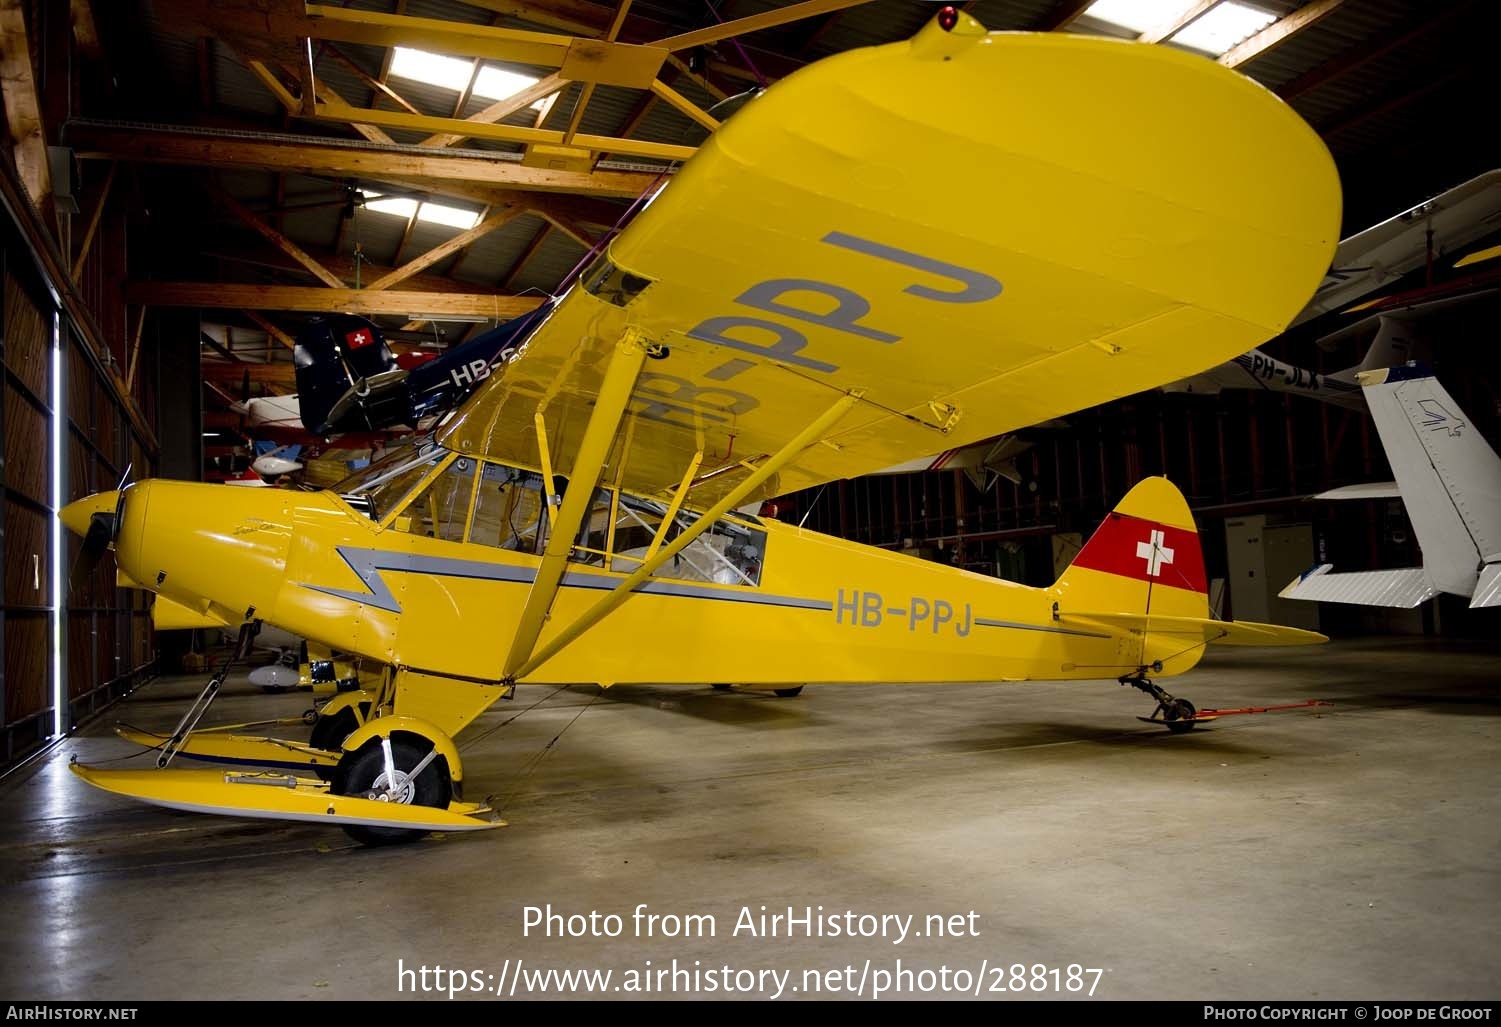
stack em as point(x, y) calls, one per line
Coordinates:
point(1346, 853)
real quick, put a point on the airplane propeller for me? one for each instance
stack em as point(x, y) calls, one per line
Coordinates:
point(103, 528)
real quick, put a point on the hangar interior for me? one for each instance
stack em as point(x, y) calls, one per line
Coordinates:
point(190, 186)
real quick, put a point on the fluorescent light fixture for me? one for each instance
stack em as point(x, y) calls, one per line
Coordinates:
point(434, 213)
point(59, 418)
point(492, 83)
point(1223, 26)
point(1137, 15)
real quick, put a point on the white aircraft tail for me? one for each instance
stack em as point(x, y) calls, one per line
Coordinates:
point(1450, 481)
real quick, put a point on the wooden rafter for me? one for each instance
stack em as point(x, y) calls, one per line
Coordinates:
point(380, 88)
point(272, 331)
point(229, 295)
point(1277, 33)
point(277, 239)
point(1373, 47)
point(1165, 30)
point(498, 133)
point(502, 109)
point(526, 256)
point(686, 106)
point(444, 249)
point(23, 113)
point(332, 158)
point(754, 23)
point(94, 218)
point(576, 116)
point(81, 15)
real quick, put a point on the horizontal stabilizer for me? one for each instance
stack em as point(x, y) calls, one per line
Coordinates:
point(1221, 632)
point(1402, 589)
point(1365, 490)
point(1488, 588)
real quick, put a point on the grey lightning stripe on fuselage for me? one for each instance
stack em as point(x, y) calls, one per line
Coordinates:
point(368, 564)
point(982, 622)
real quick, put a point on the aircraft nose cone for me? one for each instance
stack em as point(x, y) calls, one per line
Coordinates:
point(77, 515)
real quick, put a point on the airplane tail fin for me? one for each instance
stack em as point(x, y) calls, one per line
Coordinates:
point(347, 377)
point(1143, 558)
point(1449, 477)
point(1141, 575)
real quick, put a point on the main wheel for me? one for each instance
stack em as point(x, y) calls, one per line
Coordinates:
point(330, 731)
point(1179, 715)
point(363, 773)
point(788, 693)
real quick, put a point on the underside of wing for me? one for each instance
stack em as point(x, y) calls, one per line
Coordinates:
point(1219, 632)
point(975, 233)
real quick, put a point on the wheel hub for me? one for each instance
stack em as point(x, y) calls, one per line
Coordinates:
point(382, 790)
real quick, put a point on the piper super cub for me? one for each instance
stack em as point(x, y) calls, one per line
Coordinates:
point(898, 250)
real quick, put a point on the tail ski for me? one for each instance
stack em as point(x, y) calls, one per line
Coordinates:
point(1142, 573)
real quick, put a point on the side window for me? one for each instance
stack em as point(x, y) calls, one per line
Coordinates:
point(510, 511)
point(441, 510)
point(727, 554)
point(594, 533)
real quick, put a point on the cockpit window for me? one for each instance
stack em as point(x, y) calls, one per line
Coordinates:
point(386, 482)
point(727, 553)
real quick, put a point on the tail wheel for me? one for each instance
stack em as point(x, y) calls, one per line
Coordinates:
point(1179, 715)
point(788, 693)
point(414, 777)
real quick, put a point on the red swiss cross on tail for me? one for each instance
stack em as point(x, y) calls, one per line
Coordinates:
point(359, 338)
point(1133, 547)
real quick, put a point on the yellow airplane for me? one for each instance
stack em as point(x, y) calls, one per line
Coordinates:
point(897, 250)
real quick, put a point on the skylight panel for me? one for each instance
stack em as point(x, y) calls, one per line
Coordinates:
point(453, 217)
point(433, 213)
point(1138, 15)
point(454, 74)
point(1223, 26)
point(431, 68)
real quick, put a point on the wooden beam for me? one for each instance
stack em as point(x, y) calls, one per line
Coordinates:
point(279, 372)
point(224, 295)
point(324, 157)
point(81, 15)
point(1373, 47)
point(278, 240)
point(271, 330)
point(1277, 33)
point(501, 109)
point(1166, 29)
point(682, 103)
point(694, 77)
point(755, 23)
point(454, 39)
point(23, 112)
point(307, 77)
point(497, 133)
point(442, 250)
point(135, 351)
point(88, 235)
point(270, 80)
point(342, 266)
point(526, 255)
point(379, 87)
point(576, 117)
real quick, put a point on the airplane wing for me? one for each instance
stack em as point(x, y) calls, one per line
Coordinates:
point(975, 232)
point(1219, 632)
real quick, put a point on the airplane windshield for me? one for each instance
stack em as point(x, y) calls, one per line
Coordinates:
point(385, 483)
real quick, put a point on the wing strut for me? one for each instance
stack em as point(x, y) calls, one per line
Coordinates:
point(594, 449)
point(771, 465)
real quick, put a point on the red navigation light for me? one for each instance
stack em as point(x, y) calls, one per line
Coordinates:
point(948, 17)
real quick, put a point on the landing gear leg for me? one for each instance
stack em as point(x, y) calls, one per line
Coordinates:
point(1176, 714)
point(206, 697)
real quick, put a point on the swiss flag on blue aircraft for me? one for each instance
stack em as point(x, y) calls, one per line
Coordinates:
point(359, 338)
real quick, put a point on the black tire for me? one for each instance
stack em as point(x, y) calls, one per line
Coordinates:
point(721, 688)
point(788, 693)
point(329, 733)
point(358, 772)
point(1179, 715)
